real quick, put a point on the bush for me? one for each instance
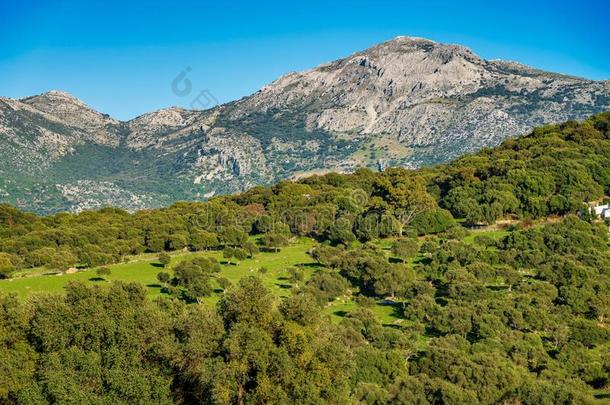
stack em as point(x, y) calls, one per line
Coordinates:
point(103, 272)
point(405, 248)
point(485, 240)
point(432, 221)
point(455, 232)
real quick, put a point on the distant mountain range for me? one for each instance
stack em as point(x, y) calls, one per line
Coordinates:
point(406, 102)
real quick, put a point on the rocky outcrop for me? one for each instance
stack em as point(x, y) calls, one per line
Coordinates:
point(164, 126)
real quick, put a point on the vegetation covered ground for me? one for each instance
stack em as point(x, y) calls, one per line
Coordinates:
point(363, 288)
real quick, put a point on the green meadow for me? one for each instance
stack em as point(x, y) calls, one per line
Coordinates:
point(144, 268)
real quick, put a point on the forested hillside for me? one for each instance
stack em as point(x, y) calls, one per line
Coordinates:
point(517, 317)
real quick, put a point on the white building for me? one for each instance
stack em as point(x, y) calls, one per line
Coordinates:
point(602, 211)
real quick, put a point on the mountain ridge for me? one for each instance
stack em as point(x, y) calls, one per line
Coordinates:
point(404, 102)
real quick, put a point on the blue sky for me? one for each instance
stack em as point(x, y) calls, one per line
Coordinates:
point(121, 57)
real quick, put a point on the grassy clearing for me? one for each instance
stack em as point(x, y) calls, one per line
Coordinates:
point(386, 313)
point(383, 148)
point(492, 234)
point(144, 269)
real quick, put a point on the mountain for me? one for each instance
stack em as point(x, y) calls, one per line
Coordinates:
point(406, 102)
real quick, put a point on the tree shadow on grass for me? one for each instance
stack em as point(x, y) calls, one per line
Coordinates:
point(284, 286)
point(269, 250)
point(423, 260)
point(157, 265)
point(154, 285)
point(314, 265)
point(97, 279)
point(341, 313)
point(497, 287)
point(396, 308)
point(602, 396)
point(431, 333)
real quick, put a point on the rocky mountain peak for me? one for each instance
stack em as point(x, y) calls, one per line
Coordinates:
point(410, 89)
point(86, 123)
point(154, 128)
point(167, 116)
point(405, 45)
point(367, 90)
point(66, 107)
point(58, 103)
point(57, 96)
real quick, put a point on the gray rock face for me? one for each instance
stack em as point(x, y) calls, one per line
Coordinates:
point(420, 93)
point(408, 101)
point(94, 126)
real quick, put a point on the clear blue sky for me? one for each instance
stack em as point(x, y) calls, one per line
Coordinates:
point(122, 56)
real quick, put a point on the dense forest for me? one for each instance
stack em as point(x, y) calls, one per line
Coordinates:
point(522, 319)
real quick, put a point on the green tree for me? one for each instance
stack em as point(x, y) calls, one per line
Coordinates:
point(164, 278)
point(274, 241)
point(396, 279)
point(232, 236)
point(301, 308)
point(204, 240)
point(228, 253)
point(164, 259)
point(248, 302)
point(405, 248)
point(103, 272)
point(250, 247)
point(295, 275)
point(224, 283)
point(8, 264)
point(236, 253)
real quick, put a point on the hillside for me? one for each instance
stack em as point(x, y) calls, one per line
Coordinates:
point(553, 171)
point(407, 102)
point(372, 288)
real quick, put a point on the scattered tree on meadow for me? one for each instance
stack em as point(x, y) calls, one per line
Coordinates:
point(224, 283)
point(405, 248)
point(103, 272)
point(236, 253)
point(164, 259)
point(164, 278)
point(274, 241)
point(295, 275)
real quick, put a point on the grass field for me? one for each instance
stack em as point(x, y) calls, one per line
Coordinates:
point(492, 234)
point(143, 269)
